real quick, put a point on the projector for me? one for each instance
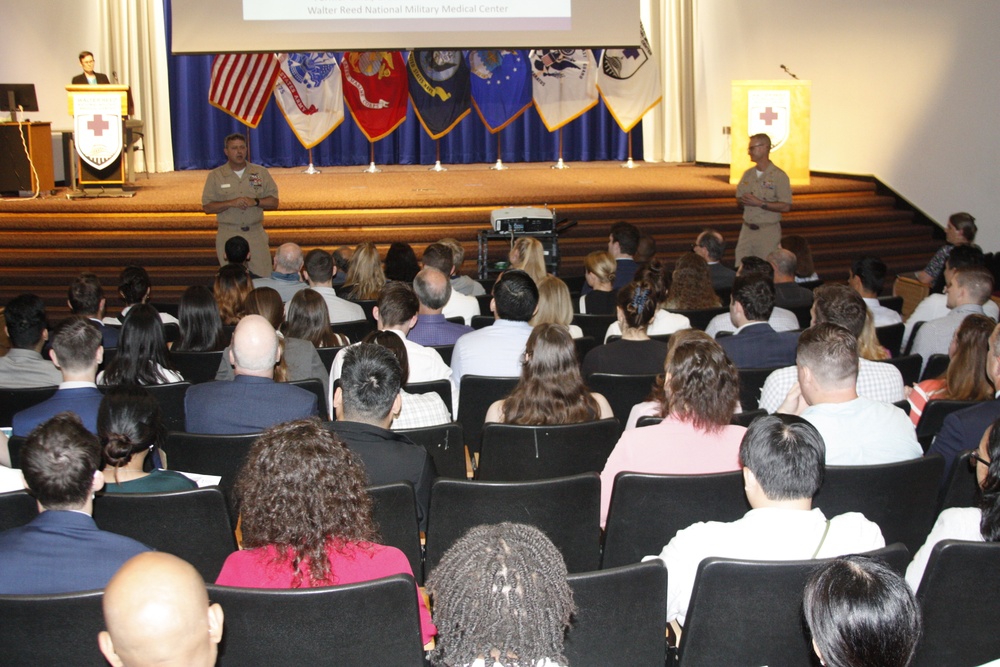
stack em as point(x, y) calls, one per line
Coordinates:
point(527, 220)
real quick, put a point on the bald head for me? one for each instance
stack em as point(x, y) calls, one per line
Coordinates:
point(156, 612)
point(254, 350)
point(288, 259)
point(433, 289)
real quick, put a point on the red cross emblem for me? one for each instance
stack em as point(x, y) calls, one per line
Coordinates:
point(768, 116)
point(98, 125)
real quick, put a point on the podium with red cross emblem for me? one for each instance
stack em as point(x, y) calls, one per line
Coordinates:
point(98, 132)
point(780, 109)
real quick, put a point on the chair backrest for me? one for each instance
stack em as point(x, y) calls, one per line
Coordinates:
point(803, 314)
point(913, 336)
point(892, 302)
point(370, 623)
point(745, 612)
point(14, 444)
point(51, 629)
point(936, 366)
point(908, 365)
point(197, 367)
point(594, 326)
point(890, 336)
point(583, 345)
point(647, 510)
point(619, 616)
point(327, 355)
point(566, 509)
point(751, 382)
point(747, 417)
point(221, 455)
point(227, 335)
point(485, 299)
point(446, 446)
point(316, 387)
point(932, 418)
point(622, 391)
point(171, 400)
point(702, 316)
point(168, 308)
point(16, 509)
point(482, 321)
point(514, 453)
point(193, 524)
point(394, 508)
point(900, 497)
point(960, 600)
point(171, 332)
point(355, 329)
point(440, 387)
point(446, 350)
point(962, 486)
point(367, 305)
point(475, 395)
point(13, 401)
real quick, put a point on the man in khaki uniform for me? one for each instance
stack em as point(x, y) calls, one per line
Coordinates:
point(765, 193)
point(238, 193)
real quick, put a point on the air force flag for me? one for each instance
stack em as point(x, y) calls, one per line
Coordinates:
point(564, 84)
point(629, 81)
point(310, 94)
point(501, 86)
point(439, 89)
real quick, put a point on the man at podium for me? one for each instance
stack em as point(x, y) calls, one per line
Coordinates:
point(765, 193)
point(89, 76)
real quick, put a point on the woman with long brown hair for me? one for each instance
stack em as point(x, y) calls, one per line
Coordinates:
point(691, 285)
point(308, 319)
point(232, 285)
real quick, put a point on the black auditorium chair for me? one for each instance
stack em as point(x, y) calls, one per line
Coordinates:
point(936, 366)
point(13, 401)
point(315, 386)
point(327, 355)
point(446, 350)
point(221, 455)
point(355, 330)
point(394, 508)
point(890, 337)
point(16, 509)
point(197, 367)
point(512, 452)
point(481, 321)
point(171, 400)
point(584, 345)
point(51, 629)
point(962, 486)
point(476, 394)
point(908, 365)
point(701, 317)
point(594, 326)
point(933, 416)
point(446, 445)
point(751, 383)
point(622, 391)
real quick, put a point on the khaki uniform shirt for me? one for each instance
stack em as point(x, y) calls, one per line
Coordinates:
point(772, 185)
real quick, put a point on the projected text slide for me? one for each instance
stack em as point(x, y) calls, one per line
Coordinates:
point(376, 10)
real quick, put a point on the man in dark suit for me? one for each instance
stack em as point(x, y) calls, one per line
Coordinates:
point(788, 293)
point(623, 241)
point(61, 550)
point(77, 352)
point(710, 246)
point(366, 402)
point(86, 298)
point(89, 76)
point(252, 401)
point(755, 344)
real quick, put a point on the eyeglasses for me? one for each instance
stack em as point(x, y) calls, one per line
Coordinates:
point(975, 458)
point(753, 146)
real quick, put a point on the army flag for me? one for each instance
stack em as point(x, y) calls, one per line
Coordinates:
point(311, 95)
point(241, 84)
point(501, 85)
point(439, 89)
point(629, 82)
point(375, 90)
point(564, 84)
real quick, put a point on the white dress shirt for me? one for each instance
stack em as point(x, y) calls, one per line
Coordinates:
point(780, 320)
point(493, 351)
point(954, 523)
point(461, 305)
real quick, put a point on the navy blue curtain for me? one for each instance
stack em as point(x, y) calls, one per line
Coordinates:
point(199, 130)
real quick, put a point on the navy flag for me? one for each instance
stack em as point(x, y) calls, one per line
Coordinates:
point(439, 89)
point(501, 85)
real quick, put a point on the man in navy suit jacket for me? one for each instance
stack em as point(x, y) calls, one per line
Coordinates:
point(86, 298)
point(61, 550)
point(76, 351)
point(623, 241)
point(252, 401)
point(755, 344)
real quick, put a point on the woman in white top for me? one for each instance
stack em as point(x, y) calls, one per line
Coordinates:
point(142, 356)
point(555, 305)
point(664, 322)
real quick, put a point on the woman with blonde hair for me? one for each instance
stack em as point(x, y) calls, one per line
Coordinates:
point(365, 277)
point(691, 285)
point(868, 346)
point(528, 255)
point(599, 272)
point(555, 305)
point(232, 285)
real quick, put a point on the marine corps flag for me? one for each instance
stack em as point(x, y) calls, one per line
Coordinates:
point(501, 86)
point(629, 81)
point(564, 84)
point(311, 95)
point(439, 89)
point(375, 90)
point(242, 83)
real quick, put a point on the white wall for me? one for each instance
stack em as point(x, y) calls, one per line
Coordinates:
point(906, 90)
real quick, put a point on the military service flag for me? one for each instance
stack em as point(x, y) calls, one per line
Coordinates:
point(375, 90)
point(629, 81)
point(311, 95)
point(439, 89)
point(564, 84)
point(501, 86)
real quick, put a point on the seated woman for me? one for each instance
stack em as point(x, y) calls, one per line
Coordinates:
point(664, 322)
point(501, 599)
point(307, 517)
point(130, 427)
point(599, 272)
point(861, 614)
point(965, 379)
point(974, 524)
point(528, 255)
point(869, 346)
point(365, 277)
point(635, 353)
point(401, 262)
point(417, 410)
point(551, 390)
point(232, 285)
point(691, 285)
point(555, 305)
point(960, 230)
point(697, 396)
point(142, 356)
point(199, 322)
point(805, 270)
point(308, 319)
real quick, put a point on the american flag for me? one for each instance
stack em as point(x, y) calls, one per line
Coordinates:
point(242, 83)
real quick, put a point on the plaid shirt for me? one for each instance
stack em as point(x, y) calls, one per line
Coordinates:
point(876, 380)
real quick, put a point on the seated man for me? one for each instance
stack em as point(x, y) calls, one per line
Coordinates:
point(782, 471)
point(285, 278)
point(867, 278)
point(61, 550)
point(156, 611)
point(856, 430)
point(787, 293)
point(433, 289)
point(755, 344)
point(459, 282)
point(966, 290)
point(780, 319)
point(710, 246)
point(319, 272)
point(134, 287)
point(252, 401)
point(439, 256)
point(23, 366)
point(77, 352)
point(366, 402)
point(86, 299)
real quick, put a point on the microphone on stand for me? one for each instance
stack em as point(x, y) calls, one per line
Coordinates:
point(788, 72)
point(114, 75)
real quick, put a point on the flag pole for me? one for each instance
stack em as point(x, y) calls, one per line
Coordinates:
point(499, 165)
point(629, 164)
point(372, 169)
point(311, 169)
point(560, 164)
point(437, 157)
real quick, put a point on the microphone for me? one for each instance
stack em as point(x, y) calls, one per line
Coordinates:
point(114, 75)
point(788, 72)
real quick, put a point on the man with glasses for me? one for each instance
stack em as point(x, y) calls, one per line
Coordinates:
point(765, 193)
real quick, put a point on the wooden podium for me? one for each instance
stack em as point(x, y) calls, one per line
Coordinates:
point(99, 132)
point(781, 109)
point(15, 169)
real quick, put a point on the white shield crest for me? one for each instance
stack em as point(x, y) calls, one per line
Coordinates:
point(98, 138)
point(769, 112)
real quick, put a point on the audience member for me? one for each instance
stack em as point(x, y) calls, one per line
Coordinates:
point(765, 193)
point(366, 402)
point(960, 230)
point(142, 352)
point(308, 319)
point(86, 299)
point(130, 428)
point(401, 262)
point(528, 255)
point(232, 285)
point(710, 246)
point(787, 292)
point(635, 353)
point(782, 471)
point(237, 251)
point(417, 410)
point(967, 289)
point(306, 517)
point(696, 396)
point(157, 613)
point(253, 401)
point(76, 351)
point(805, 271)
point(664, 322)
point(623, 241)
point(856, 430)
point(61, 550)
point(841, 305)
point(861, 614)
point(755, 344)
point(461, 283)
point(645, 250)
point(342, 260)
point(364, 277)
point(135, 287)
point(869, 346)
point(433, 290)
point(501, 598)
point(23, 366)
point(439, 256)
point(555, 305)
point(199, 322)
point(286, 277)
point(867, 278)
point(691, 285)
point(599, 275)
point(781, 319)
point(319, 272)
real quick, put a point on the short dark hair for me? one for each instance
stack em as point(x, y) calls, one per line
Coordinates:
point(627, 236)
point(839, 304)
point(862, 612)
point(370, 380)
point(713, 243)
point(426, 292)
point(756, 295)
point(75, 343)
point(235, 136)
point(319, 265)
point(237, 249)
point(787, 456)
point(134, 284)
point(343, 263)
point(977, 280)
point(516, 296)
point(870, 270)
point(440, 257)
point(397, 303)
point(751, 265)
point(84, 54)
point(59, 459)
point(965, 255)
point(85, 294)
point(965, 223)
point(831, 352)
point(25, 319)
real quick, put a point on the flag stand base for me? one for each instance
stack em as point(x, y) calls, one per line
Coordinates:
point(628, 164)
point(372, 169)
point(311, 170)
point(437, 166)
point(560, 165)
point(499, 166)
